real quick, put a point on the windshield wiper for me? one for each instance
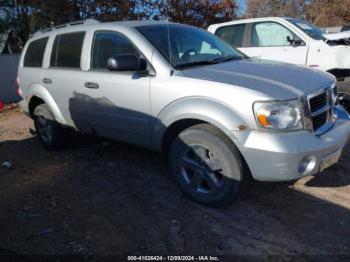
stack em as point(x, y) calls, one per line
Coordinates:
point(226, 58)
point(195, 63)
point(209, 62)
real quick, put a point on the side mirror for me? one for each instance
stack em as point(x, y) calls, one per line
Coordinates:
point(296, 41)
point(126, 62)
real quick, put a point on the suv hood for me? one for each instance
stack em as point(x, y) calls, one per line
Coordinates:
point(337, 36)
point(280, 81)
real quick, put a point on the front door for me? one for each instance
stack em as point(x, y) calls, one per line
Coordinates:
point(117, 103)
point(273, 41)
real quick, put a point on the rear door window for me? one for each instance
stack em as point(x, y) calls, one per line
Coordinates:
point(232, 34)
point(66, 50)
point(35, 53)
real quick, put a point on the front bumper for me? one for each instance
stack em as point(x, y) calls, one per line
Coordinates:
point(278, 156)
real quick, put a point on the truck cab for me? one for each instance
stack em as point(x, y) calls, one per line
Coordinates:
point(289, 40)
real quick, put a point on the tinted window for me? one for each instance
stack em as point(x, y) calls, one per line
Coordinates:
point(345, 28)
point(35, 53)
point(108, 44)
point(232, 34)
point(182, 45)
point(66, 50)
point(270, 34)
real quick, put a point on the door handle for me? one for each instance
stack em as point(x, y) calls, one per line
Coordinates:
point(91, 85)
point(47, 81)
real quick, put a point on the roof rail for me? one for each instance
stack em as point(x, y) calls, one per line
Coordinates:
point(89, 21)
point(80, 22)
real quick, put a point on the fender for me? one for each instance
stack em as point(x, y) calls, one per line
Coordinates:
point(41, 92)
point(204, 109)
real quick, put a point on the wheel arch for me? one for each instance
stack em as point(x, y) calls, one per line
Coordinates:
point(187, 112)
point(33, 103)
point(39, 95)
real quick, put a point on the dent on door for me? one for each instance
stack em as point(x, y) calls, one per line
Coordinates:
point(104, 118)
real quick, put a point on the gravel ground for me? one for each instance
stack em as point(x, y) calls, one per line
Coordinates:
point(97, 197)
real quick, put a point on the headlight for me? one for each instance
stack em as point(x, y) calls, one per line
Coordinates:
point(279, 115)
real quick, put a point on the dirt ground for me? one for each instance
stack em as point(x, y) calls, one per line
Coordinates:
point(96, 197)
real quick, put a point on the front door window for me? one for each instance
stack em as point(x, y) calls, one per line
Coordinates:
point(269, 34)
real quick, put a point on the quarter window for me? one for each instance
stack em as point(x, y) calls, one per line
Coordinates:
point(35, 53)
point(270, 34)
point(108, 44)
point(66, 50)
point(232, 34)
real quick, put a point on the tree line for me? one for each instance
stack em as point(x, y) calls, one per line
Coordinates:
point(24, 17)
point(322, 13)
point(28, 16)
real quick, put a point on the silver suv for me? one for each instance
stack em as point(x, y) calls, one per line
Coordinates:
point(220, 116)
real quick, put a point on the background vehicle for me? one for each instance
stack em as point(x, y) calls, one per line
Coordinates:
point(292, 41)
point(219, 116)
point(345, 28)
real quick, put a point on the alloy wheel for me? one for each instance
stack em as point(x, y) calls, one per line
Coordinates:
point(44, 129)
point(202, 170)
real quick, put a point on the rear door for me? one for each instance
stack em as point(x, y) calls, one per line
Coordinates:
point(64, 78)
point(269, 40)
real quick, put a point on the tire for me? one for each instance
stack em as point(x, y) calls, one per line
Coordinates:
point(207, 165)
point(344, 100)
point(344, 94)
point(50, 134)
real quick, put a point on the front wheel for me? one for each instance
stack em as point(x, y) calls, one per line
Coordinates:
point(207, 165)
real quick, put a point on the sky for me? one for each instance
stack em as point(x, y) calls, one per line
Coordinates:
point(242, 4)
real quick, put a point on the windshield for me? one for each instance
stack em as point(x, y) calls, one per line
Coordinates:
point(345, 28)
point(185, 46)
point(311, 30)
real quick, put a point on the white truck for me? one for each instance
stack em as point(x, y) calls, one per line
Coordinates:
point(294, 41)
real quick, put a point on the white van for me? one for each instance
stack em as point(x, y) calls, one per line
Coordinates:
point(289, 40)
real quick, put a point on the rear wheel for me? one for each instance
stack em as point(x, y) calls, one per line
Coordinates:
point(49, 132)
point(206, 165)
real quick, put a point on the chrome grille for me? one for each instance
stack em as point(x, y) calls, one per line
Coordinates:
point(319, 120)
point(318, 102)
point(321, 109)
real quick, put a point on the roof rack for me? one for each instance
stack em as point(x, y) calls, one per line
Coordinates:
point(89, 21)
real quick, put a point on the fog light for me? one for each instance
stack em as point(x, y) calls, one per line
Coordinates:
point(307, 165)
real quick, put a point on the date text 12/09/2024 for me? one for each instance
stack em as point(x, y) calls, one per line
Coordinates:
point(173, 258)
